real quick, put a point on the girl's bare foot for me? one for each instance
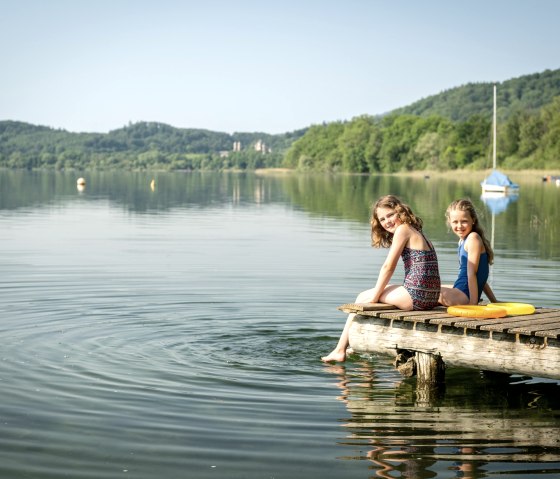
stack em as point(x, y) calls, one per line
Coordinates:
point(334, 356)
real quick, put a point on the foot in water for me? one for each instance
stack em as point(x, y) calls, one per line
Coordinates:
point(334, 356)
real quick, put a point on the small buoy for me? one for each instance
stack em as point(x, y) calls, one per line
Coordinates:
point(153, 184)
point(81, 185)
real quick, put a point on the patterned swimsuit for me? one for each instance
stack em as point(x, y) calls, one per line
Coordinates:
point(421, 277)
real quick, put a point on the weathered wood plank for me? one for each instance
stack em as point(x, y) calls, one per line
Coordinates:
point(538, 315)
point(532, 328)
point(509, 327)
point(539, 310)
point(415, 316)
point(549, 333)
point(446, 320)
point(377, 314)
point(359, 307)
point(503, 324)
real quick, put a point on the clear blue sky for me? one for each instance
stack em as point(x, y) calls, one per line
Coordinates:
point(270, 66)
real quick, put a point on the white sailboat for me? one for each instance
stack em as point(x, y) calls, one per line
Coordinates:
point(497, 183)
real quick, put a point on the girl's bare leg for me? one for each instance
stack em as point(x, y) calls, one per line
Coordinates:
point(395, 295)
point(451, 296)
point(339, 352)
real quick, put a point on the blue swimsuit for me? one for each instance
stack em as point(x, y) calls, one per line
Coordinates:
point(462, 282)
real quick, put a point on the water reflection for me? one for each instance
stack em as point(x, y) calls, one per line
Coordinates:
point(497, 203)
point(479, 423)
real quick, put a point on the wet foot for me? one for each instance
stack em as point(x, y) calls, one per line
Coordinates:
point(334, 356)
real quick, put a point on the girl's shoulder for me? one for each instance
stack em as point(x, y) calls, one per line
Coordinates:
point(410, 235)
point(405, 229)
point(472, 238)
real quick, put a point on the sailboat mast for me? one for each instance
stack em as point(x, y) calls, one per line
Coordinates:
point(494, 133)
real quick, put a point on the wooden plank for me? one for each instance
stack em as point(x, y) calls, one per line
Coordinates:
point(532, 328)
point(358, 307)
point(445, 320)
point(539, 310)
point(501, 324)
point(375, 314)
point(511, 327)
point(539, 315)
point(549, 333)
point(414, 316)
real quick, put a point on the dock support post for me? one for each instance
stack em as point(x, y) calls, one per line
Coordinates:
point(430, 371)
point(430, 383)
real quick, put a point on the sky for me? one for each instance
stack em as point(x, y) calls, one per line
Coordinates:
point(256, 66)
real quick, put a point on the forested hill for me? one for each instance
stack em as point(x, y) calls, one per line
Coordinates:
point(448, 131)
point(527, 93)
point(139, 146)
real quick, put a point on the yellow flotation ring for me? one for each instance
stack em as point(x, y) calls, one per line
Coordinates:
point(514, 309)
point(474, 311)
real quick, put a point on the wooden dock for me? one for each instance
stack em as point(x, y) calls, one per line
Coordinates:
point(528, 345)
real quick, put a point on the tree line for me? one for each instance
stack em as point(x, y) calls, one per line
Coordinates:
point(139, 146)
point(448, 131)
point(407, 142)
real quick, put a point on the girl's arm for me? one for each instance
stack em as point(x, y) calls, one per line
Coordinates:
point(400, 240)
point(474, 249)
point(489, 293)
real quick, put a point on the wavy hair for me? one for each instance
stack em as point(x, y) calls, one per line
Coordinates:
point(467, 205)
point(380, 237)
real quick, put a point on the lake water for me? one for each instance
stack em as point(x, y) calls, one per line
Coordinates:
point(176, 332)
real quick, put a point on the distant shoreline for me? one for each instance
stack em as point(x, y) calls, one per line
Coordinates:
point(463, 173)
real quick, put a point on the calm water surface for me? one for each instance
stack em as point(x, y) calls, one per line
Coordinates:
point(177, 332)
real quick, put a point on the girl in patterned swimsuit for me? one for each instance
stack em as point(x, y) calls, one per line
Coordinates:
point(394, 226)
point(475, 256)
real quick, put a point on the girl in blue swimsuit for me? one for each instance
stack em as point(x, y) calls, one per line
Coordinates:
point(394, 226)
point(475, 257)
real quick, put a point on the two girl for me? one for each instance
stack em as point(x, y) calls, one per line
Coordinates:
point(394, 226)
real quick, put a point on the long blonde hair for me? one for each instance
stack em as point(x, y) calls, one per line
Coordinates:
point(380, 237)
point(467, 205)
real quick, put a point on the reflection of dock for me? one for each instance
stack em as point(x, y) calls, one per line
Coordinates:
point(528, 345)
point(536, 440)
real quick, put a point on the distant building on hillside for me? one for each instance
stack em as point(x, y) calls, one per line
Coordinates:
point(261, 146)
